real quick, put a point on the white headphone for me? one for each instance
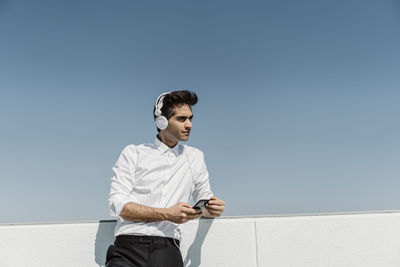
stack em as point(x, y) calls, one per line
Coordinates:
point(161, 121)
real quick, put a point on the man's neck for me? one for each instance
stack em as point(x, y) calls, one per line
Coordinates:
point(166, 141)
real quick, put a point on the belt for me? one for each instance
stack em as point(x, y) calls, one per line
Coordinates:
point(145, 239)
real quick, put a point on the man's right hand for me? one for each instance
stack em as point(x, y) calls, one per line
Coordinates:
point(181, 212)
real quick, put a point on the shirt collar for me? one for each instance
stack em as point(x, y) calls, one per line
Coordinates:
point(178, 149)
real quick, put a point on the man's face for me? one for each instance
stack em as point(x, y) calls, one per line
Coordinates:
point(180, 124)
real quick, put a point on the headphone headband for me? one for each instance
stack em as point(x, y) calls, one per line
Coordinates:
point(159, 103)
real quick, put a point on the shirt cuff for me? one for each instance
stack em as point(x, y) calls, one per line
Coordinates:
point(117, 205)
point(207, 195)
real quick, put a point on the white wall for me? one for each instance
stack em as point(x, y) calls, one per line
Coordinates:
point(362, 239)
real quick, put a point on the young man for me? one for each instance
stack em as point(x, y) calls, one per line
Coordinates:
point(151, 188)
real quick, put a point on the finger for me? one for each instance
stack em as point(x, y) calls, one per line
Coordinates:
point(215, 210)
point(214, 213)
point(217, 202)
point(194, 216)
point(189, 210)
point(186, 205)
point(215, 207)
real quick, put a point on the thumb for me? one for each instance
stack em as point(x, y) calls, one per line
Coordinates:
point(186, 205)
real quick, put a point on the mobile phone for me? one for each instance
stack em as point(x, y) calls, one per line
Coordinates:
point(201, 204)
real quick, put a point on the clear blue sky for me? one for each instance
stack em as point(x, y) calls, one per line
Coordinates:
point(298, 100)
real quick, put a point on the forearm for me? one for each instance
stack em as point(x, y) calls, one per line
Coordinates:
point(179, 213)
point(139, 213)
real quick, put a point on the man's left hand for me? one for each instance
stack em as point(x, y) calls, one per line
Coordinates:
point(214, 208)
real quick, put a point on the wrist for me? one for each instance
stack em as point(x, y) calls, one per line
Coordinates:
point(163, 214)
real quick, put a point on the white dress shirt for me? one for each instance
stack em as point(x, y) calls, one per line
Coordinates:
point(155, 175)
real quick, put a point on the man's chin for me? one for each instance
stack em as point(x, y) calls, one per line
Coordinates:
point(185, 138)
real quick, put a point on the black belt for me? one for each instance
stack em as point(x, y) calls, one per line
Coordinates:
point(146, 239)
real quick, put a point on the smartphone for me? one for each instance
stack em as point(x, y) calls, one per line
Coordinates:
point(201, 204)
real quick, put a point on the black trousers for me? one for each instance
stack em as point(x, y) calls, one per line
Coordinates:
point(144, 251)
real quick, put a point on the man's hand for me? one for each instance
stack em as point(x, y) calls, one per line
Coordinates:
point(181, 213)
point(215, 207)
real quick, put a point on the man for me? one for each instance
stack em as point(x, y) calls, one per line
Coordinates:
point(151, 188)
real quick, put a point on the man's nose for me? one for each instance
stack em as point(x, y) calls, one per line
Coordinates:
point(188, 124)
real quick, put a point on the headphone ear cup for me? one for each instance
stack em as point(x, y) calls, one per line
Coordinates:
point(161, 122)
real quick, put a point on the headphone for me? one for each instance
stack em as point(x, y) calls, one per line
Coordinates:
point(161, 121)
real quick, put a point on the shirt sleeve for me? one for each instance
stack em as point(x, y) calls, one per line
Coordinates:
point(202, 188)
point(122, 181)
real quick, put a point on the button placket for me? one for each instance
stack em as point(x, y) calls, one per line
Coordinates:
point(167, 174)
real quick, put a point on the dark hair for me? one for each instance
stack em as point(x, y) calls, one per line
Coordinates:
point(176, 99)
